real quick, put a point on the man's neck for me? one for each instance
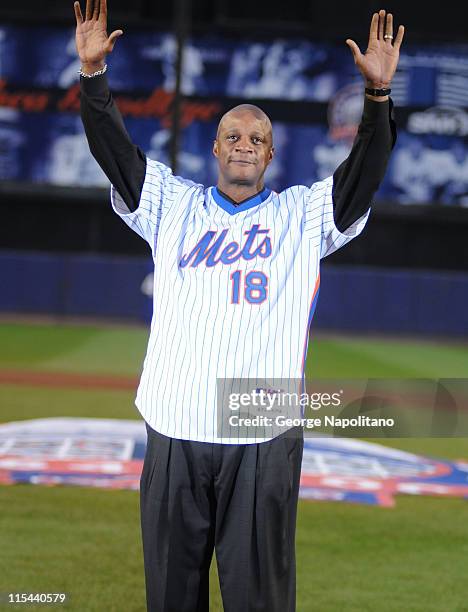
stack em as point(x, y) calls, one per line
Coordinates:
point(240, 193)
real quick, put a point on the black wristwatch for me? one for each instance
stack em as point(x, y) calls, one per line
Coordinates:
point(380, 93)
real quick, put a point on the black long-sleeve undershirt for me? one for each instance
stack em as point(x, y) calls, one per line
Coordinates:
point(357, 179)
point(354, 182)
point(122, 162)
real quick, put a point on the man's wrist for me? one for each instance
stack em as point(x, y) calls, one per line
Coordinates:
point(379, 88)
point(92, 67)
point(378, 84)
point(377, 98)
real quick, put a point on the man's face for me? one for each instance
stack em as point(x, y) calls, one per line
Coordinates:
point(243, 147)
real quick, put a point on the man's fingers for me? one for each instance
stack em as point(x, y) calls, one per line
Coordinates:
point(103, 11)
point(355, 49)
point(96, 9)
point(112, 40)
point(381, 24)
point(389, 28)
point(399, 37)
point(89, 9)
point(78, 15)
point(374, 28)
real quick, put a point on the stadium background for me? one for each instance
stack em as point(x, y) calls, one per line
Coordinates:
point(74, 279)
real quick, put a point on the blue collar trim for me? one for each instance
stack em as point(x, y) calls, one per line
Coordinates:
point(229, 207)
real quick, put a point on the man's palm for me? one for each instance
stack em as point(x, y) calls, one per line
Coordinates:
point(92, 42)
point(379, 63)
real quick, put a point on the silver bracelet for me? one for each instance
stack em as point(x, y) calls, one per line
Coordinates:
point(95, 74)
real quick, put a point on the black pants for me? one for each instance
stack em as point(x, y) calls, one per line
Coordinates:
point(239, 499)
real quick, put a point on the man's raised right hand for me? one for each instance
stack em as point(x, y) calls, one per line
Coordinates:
point(92, 42)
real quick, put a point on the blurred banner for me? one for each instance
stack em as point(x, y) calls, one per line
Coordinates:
point(109, 453)
point(313, 93)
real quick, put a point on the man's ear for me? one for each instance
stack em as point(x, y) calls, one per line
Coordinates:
point(215, 148)
point(271, 154)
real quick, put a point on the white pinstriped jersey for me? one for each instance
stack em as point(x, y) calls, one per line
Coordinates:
point(234, 291)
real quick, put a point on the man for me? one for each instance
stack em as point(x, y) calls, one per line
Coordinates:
point(236, 281)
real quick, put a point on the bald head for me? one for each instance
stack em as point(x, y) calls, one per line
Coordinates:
point(244, 149)
point(248, 109)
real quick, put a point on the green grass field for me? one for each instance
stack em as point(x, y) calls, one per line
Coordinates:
point(87, 543)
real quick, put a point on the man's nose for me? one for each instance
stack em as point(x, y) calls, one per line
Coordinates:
point(244, 144)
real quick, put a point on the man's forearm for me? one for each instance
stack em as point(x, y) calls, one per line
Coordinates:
point(357, 179)
point(123, 163)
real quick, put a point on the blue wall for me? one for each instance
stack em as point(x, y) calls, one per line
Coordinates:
point(351, 298)
point(402, 301)
point(73, 285)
